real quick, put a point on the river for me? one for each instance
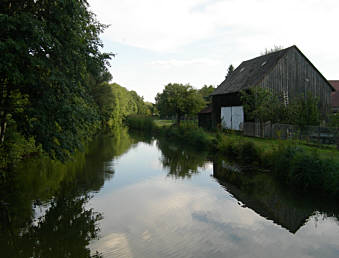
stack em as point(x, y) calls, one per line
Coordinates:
point(130, 195)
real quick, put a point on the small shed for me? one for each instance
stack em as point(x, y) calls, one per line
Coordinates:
point(335, 96)
point(205, 117)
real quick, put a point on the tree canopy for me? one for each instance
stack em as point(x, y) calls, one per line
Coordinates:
point(179, 100)
point(50, 61)
point(206, 91)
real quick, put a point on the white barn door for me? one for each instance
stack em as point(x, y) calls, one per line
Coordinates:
point(232, 117)
point(226, 117)
point(237, 118)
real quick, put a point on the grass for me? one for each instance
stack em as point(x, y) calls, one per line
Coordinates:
point(162, 123)
point(304, 167)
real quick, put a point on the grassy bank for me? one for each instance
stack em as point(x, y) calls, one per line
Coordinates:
point(302, 167)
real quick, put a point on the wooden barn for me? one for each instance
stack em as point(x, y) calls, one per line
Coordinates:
point(335, 96)
point(287, 72)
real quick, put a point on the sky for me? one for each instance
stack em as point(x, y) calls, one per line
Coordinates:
point(157, 42)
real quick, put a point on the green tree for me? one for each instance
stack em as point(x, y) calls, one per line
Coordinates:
point(206, 91)
point(179, 100)
point(50, 49)
point(304, 111)
point(229, 71)
point(261, 104)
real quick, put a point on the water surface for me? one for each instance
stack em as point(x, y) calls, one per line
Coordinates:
point(135, 196)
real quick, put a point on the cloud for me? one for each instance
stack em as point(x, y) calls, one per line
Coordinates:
point(194, 41)
point(162, 25)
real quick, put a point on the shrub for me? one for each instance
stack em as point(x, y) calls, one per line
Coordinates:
point(140, 122)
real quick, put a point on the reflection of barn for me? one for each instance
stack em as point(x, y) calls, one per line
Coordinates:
point(288, 73)
point(263, 196)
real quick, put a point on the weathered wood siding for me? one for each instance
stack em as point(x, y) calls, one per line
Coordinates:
point(296, 76)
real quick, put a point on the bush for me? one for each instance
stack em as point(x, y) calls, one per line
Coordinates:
point(249, 153)
point(306, 171)
point(140, 122)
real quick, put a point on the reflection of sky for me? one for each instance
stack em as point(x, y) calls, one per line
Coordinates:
point(147, 214)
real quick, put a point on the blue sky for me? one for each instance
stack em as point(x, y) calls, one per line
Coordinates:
point(194, 41)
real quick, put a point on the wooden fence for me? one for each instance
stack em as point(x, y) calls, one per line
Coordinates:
point(317, 134)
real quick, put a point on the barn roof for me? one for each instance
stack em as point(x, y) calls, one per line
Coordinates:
point(251, 72)
point(335, 95)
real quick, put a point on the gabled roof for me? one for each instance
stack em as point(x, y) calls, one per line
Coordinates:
point(251, 72)
point(335, 95)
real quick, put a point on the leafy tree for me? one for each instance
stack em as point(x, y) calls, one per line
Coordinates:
point(304, 111)
point(229, 71)
point(261, 104)
point(179, 100)
point(50, 50)
point(206, 91)
point(264, 105)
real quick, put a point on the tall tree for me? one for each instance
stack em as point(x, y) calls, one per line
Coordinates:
point(179, 100)
point(50, 49)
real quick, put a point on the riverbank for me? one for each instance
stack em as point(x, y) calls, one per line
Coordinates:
point(304, 168)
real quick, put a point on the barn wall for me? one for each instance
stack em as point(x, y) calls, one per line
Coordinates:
point(295, 75)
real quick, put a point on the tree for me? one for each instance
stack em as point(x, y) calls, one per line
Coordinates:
point(261, 104)
point(304, 111)
point(50, 50)
point(206, 92)
point(271, 50)
point(179, 100)
point(229, 71)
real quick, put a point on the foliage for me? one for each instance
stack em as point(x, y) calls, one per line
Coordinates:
point(333, 119)
point(178, 99)
point(50, 60)
point(206, 91)
point(230, 70)
point(275, 48)
point(306, 171)
point(304, 111)
point(260, 103)
point(263, 105)
point(139, 122)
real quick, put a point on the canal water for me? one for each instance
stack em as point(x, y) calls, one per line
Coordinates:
point(130, 195)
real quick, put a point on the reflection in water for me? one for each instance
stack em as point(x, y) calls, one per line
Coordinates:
point(122, 199)
point(181, 161)
point(261, 193)
point(61, 191)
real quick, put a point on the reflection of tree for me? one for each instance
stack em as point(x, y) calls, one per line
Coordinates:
point(67, 226)
point(64, 231)
point(263, 194)
point(179, 160)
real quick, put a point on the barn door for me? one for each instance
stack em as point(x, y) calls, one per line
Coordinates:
point(226, 117)
point(237, 118)
point(232, 118)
